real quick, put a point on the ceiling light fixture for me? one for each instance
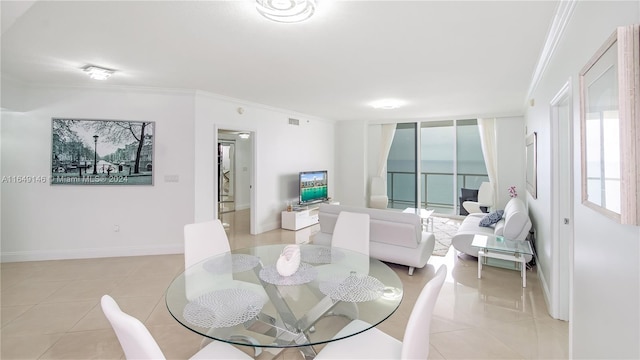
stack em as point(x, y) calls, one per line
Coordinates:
point(387, 104)
point(98, 73)
point(286, 11)
point(243, 135)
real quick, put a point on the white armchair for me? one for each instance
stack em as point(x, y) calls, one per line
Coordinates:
point(485, 199)
point(378, 198)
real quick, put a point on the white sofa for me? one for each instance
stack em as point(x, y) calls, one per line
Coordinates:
point(514, 225)
point(395, 237)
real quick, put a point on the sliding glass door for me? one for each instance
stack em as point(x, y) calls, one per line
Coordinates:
point(438, 164)
point(471, 167)
point(402, 168)
point(447, 155)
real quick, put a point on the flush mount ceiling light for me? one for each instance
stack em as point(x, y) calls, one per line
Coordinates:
point(286, 11)
point(98, 73)
point(243, 135)
point(387, 104)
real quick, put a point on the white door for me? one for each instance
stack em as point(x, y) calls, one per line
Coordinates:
point(561, 202)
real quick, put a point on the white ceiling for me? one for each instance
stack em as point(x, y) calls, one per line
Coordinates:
point(445, 58)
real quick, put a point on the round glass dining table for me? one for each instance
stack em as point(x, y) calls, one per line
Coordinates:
point(240, 298)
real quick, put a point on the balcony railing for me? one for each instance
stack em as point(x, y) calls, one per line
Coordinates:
point(466, 180)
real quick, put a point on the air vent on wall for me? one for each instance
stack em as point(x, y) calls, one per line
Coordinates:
point(293, 121)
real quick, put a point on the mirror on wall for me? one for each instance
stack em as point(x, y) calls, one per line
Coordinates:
point(610, 134)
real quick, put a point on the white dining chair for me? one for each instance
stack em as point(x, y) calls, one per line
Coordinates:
point(375, 344)
point(203, 240)
point(352, 232)
point(138, 343)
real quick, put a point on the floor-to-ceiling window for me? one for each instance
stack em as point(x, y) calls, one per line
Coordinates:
point(402, 168)
point(471, 168)
point(448, 156)
point(437, 145)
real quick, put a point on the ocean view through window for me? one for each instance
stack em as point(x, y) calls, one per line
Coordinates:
point(447, 155)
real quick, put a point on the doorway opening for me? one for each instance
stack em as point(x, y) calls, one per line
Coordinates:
point(561, 203)
point(235, 167)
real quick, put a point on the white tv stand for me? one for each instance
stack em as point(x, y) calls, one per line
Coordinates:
point(298, 219)
point(303, 217)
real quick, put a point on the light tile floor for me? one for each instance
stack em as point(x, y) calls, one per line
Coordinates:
point(51, 310)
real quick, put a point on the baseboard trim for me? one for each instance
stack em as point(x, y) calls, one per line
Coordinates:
point(545, 290)
point(39, 255)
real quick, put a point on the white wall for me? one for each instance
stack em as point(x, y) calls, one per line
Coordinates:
point(41, 221)
point(510, 140)
point(605, 311)
point(281, 152)
point(351, 163)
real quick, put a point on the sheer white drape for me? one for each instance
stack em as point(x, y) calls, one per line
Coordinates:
point(487, 129)
point(388, 131)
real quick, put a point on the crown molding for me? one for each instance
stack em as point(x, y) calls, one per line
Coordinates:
point(562, 17)
point(210, 95)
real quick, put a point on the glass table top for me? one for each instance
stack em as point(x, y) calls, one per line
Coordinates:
point(499, 243)
point(240, 298)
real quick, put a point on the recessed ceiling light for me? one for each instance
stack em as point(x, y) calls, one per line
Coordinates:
point(387, 104)
point(98, 73)
point(286, 11)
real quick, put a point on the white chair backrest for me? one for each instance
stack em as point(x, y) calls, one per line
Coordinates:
point(415, 344)
point(134, 337)
point(485, 194)
point(352, 232)
point(202, 240)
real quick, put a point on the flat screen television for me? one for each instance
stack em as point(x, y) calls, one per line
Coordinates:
point(313, 187)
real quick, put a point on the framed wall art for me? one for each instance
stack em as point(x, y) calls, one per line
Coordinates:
point(101, 152)
point(610, 127)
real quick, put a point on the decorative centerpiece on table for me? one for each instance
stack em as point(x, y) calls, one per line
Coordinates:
point(289, 260)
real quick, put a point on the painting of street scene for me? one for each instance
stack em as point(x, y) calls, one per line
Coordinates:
point(101, 152)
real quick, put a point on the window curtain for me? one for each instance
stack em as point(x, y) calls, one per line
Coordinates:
point(487, 129)
point(388, 131)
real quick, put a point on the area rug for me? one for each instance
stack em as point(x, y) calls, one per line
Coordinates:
point(444, 229)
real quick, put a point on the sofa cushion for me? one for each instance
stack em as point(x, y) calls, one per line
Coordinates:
point(498, 228)
point(516, 220)
point(398, 234)
point(394, 227)
point(395, 236)
point(491, 218)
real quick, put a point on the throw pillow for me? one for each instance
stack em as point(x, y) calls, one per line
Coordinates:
point(491, 218)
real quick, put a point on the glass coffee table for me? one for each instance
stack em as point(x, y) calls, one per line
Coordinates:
point(497, 247)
